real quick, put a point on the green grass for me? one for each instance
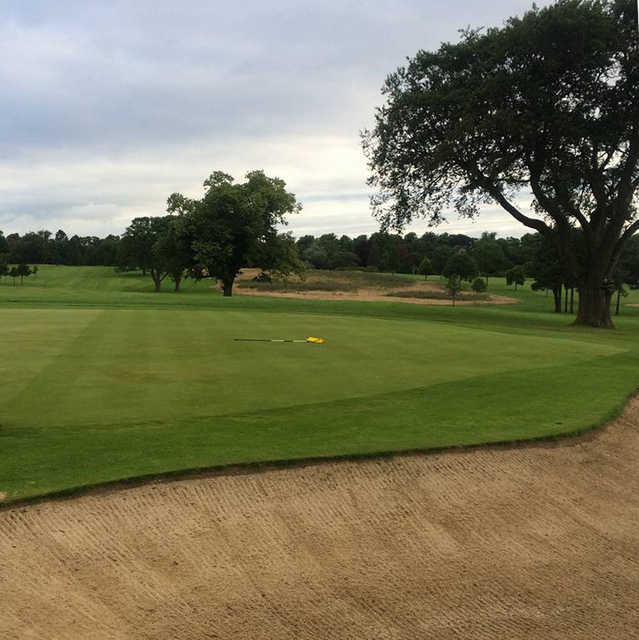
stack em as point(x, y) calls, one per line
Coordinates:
point(103, 379)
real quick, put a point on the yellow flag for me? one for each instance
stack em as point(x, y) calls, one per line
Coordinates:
point(315, 340)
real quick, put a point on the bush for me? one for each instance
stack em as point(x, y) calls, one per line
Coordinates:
point(453, 286)
point(516, 276)
point(425, 268)
point(478, 285)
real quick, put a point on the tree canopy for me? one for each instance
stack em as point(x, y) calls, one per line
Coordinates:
point(547, 104)
point(461, 264)
point(234, 224)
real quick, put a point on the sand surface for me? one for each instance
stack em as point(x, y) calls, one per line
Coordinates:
point(367, 294)
point(536, 542)
point(374, 295)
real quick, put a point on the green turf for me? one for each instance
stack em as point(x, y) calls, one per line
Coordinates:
point(104, 379)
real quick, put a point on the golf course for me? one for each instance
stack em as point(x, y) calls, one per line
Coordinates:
point(161, 479)
point(105, 380)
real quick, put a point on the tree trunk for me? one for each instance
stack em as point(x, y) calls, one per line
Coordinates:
point(556, 292)
point(572, 300)
point(157, 280)
point(618, 302)
point(227, 287)
point(177, 283)
point(594, 306)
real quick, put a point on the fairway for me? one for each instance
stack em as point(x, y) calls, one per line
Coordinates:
point(103, 380)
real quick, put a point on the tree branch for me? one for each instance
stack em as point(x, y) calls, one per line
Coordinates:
point(531, 223)
point(625, 236)
point(626, 183)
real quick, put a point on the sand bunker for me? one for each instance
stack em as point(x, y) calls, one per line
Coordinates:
point(371, 295)
point(538, 542)
point(368, 294)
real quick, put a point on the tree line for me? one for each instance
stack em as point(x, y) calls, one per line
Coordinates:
point(188, 242)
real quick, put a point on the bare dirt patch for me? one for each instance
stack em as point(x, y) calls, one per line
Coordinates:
point(364, 293)
point(497, 543)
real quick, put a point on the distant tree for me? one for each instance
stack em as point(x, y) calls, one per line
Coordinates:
point(104, 251)
point(172, 253)
point(330, 244)
point(439, 256)
point(620, 289)
point(425, 268)
point(516, 276)
point(411, 254)
point(384, 252)
point(138, 247)
point(4, 264)
point(479, 285)
point(629, 262)
point(361, 248)
point(461, 264)
point(304, 243)
point(489, 255)
point(14, 273)
point(60, 247)
point(280, 257)
point(34, 270)
point(233, 222)
point(23, 270)
point(332, 252)
point(316, 255)
point(453, 286)
point(545, 268)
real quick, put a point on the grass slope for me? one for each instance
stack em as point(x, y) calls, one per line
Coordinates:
point(104, 379)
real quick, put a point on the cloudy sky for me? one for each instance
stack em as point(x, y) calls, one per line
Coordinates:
point(109, 107)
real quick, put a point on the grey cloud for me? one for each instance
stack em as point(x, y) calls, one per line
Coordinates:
point(131, 101)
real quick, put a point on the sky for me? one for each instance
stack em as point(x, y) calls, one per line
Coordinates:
point(109, 107)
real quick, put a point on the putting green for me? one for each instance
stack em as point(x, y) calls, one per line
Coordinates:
point(100, 367)
point(104, 380)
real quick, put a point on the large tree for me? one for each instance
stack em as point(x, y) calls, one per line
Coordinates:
point(235, 223)
point(546, 105)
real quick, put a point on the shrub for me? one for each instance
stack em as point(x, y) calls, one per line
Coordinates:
point(478, 285)
point(454, 286)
